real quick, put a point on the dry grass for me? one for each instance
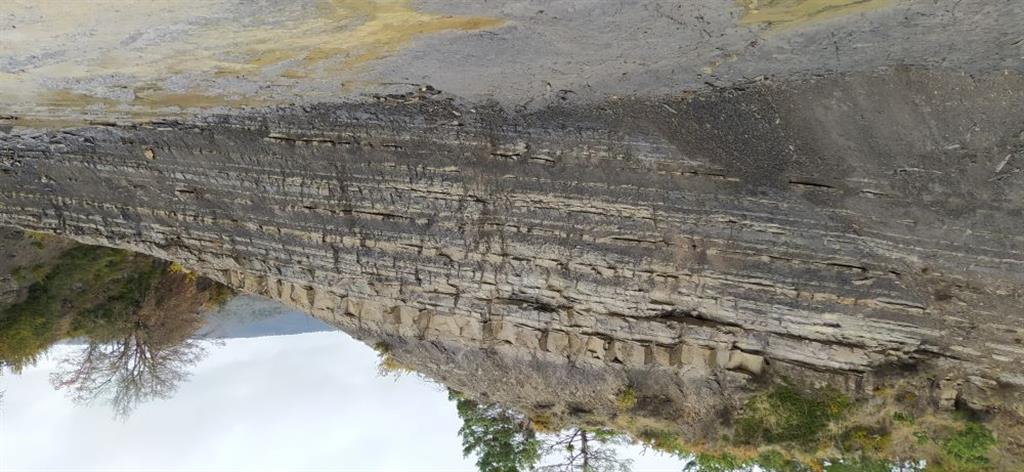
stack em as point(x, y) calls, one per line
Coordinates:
point(789, 429)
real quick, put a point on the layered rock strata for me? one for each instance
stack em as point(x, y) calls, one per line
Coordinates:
point(840, 230)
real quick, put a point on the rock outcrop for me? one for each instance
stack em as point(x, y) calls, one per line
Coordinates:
point(842, 230)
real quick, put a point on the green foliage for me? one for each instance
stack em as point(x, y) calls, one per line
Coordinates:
point(800, 431)
point(901, 417)
point(387, 364)
point(663, 441)
point(218, 294)
point(500, 438)
point(785, 415)
point(775, 461)
point(86, 292)
point(768, 461)
point(543, 422)
point(91, 292)
point(29, 275)
point(968, 448)
point(626, 399)
point(605, 435)
point(24, 338)
point(723, 462)
point(871, 441)
point(136, 312)
point(862, 464)
point(38, 239)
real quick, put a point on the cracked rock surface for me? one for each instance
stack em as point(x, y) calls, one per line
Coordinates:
point(542, 203)
point(844, 230)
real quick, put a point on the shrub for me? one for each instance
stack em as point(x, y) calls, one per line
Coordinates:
point(775, 461)
point(499, 437)
point(785, 415)
point(871, 441)
point(92, 287)
point(901, 417)
point(663, 441)
point(861, 465)
point(626, 399)
point(723, 462)
point(543, 423)
point(968, 448)
point(387, 364)
point(38, 240)
point(101, 294)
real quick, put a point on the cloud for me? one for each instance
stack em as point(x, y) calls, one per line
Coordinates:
point(306, 402)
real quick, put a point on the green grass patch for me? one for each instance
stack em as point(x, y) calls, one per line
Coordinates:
point(387, 364)
point(775, 461)
point(626, 399)
point(786, 415)
point(663, 441)
point(866, 440)
point(721, 462)
point(38, 240)
point(862, 464)
point(901, 417)
point(968, 448)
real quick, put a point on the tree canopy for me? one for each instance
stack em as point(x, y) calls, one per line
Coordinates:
point(500, 438)
point(137, 315)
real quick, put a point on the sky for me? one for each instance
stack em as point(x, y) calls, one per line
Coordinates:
point(300, 402)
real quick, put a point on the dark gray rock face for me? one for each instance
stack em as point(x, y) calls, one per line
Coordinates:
point(843, 230)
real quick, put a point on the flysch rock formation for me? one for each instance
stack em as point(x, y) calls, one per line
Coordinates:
point(845, 230)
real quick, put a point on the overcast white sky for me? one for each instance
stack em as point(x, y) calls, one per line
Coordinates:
point(306, 402)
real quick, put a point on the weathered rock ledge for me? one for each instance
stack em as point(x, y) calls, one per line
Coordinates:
point(843, 230)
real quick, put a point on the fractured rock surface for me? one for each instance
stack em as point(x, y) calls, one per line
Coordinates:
point(840, 230)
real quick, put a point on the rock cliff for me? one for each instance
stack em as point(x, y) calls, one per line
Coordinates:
point(846, 230)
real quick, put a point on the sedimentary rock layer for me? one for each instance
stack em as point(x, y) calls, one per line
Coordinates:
point(847, 227)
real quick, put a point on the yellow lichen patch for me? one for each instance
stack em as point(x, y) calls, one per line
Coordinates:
point(386, 27)
point(134, 58)
point(158, 99)
point(784, 14)
point(69, 99)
